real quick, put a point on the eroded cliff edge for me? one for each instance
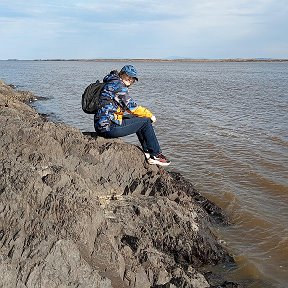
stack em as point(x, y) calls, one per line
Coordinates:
point(76, 211)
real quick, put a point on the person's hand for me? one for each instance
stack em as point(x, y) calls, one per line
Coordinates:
point(153, 119)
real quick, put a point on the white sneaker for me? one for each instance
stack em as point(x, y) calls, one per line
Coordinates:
point(147, 155)
point(160, 159)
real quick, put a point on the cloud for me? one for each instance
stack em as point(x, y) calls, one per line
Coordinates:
point(184, 27)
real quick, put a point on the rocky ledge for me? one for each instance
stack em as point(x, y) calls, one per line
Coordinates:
point(78, 211)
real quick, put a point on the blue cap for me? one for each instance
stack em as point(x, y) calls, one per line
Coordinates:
point(130, 70)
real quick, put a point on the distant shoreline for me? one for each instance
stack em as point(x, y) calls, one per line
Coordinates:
point(160, 60)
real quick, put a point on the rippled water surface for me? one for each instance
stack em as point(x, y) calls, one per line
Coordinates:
point(223, 125)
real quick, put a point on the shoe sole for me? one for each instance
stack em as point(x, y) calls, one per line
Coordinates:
point(156, 162)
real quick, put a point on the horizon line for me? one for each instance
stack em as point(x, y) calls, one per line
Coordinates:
point(262, 59)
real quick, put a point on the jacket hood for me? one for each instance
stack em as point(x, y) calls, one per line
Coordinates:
point(112, 76)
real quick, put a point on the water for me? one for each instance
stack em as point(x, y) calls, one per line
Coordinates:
point(223, 125)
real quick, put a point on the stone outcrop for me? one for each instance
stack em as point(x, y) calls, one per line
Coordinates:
point(78, 211)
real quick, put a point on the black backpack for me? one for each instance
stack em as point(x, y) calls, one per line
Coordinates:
point(91, 97)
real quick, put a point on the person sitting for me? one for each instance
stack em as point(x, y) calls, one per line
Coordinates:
point(111, 122)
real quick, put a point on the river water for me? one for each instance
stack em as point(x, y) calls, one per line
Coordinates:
point(223, 125)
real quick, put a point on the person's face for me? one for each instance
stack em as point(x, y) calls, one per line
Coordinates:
point(127, 80)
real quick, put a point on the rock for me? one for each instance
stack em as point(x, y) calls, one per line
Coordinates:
point(80, 211)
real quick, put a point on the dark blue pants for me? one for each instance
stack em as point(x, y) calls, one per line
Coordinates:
point(141, 126)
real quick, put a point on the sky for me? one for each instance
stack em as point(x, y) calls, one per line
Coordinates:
point(91, 29)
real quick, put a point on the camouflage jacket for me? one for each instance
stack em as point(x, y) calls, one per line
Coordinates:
point(116, 101)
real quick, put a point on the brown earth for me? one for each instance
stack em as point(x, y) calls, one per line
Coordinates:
point(78, 211)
